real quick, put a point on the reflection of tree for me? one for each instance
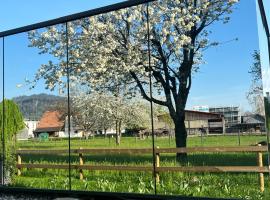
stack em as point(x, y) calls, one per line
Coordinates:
point(11, 122)
point(255, 93)
point(13, 119)
point(99, 111)
point(112, 49)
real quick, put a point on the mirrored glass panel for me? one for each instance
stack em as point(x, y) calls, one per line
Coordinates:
point(264, 56)
point(169, 97)
point(110, 120)
point(204, 61)
point(36, 108)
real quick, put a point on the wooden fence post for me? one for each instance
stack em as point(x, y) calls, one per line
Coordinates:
point(19, 162)
point(157, 165)
point(260, 164)
point(81, 163)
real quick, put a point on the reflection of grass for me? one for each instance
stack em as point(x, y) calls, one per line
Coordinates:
point(131, 142)
point(200, 184)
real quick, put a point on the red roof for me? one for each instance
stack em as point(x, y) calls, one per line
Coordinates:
point(50, 120)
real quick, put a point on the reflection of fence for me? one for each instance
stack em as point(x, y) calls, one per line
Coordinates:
point(216, 169)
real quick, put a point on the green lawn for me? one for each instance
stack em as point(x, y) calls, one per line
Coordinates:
point(132, 142)
point(241, 185)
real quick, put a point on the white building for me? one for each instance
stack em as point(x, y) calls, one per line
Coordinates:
point(28, 131)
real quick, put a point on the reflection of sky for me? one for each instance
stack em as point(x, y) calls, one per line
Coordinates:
point(16, 13)
point(224, 80)
point(21, 62)
point(263, 47)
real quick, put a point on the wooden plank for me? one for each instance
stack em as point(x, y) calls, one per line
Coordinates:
point(122, 150)
point(214, 169)
point(86, 167)
point(100, 151)
point(148, 150)
point(45, 166)
point(213, 149)
point(117, 168)
point(260, 164)
point(42, 151)
point(150, 168)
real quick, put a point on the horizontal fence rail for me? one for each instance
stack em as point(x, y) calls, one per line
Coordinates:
point(150, 168)
point(149, 150)
point(157, 151)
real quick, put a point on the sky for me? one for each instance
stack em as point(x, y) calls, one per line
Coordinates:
point(222, 81)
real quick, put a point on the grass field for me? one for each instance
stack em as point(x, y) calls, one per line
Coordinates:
point(239, 185)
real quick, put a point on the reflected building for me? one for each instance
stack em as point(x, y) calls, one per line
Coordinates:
point(28, 131)
point(51, 123)
point(196, 122)
point(231, 115)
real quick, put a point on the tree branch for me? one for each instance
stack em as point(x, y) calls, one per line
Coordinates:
point(163, 103)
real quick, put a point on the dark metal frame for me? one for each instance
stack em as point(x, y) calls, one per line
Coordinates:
point(68, 18)
point(52, 194)
point(265, 24)
point(267, 33)
point(65, 20)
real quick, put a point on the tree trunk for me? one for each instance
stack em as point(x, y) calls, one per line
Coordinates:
point(180, 138)
point(105, 132)
point(119, 131)
point(117, 138)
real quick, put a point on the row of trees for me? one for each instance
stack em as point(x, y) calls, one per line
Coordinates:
point(100, 111)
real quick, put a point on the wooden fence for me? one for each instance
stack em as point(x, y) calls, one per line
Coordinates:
point(157, 151)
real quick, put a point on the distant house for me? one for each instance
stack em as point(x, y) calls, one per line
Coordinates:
point(75, 130)
point(56, 125)
point(197, 121)
point(253, 123)
point(52, 123)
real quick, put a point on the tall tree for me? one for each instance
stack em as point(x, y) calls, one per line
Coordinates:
point(255, 93)
point(11, 122)
point(110, 51)
point(12, 119)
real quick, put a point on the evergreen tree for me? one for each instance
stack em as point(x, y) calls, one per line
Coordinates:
point(13, 119)
point(11, 122)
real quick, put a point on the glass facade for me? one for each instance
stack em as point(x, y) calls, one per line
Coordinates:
point(152, 98)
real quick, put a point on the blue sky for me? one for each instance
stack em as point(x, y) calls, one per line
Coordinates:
point(223, 80)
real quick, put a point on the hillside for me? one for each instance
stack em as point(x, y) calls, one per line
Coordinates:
point(33, 107)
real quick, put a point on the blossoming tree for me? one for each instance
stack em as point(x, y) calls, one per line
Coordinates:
point(100, 111)
point(110, 51)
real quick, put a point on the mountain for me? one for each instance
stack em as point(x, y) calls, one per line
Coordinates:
point(33, 107)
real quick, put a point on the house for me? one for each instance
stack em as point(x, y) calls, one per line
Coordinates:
point(52, 123)
point(251, 123)
point(56, 125)
point(196, 122)
point(75, 130)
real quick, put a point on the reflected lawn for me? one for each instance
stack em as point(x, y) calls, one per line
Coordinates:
point(241, 185)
